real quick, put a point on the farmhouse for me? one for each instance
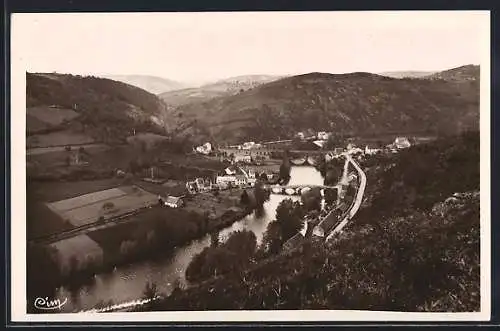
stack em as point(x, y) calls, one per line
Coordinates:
point(402, 142)
point(171, 201)
point(242, 158)
point(204, 149)
point(241, 180)
point(225, 181)
point(322, 135)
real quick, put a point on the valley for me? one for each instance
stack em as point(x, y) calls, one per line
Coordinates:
point(120, 192)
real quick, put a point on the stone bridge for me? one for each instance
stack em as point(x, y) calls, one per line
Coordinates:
point(297, 189)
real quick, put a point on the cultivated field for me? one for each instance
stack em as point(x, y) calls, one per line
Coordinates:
point(51, 116)
point(80, 248)
point(110, 203)
point(59, 138)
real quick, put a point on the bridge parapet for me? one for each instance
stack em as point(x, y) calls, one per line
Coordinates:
point(297, 189)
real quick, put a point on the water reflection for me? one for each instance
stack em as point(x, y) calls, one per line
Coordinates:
point(127, 283)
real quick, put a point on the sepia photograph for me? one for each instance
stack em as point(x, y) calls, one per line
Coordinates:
point(250, 166)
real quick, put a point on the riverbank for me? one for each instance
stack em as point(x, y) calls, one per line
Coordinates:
point(152, 235)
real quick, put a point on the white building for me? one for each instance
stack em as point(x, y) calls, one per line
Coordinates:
point(203, 185)
point(243, 158)
point(224, 181)
point(241, 180)
point(248, 145)
point(206, 148)
point(371, 151)
point(234, 180)
point(319, 143)
point(171, 201)
point(322, 135)
point(230, 171)
point(402, 142)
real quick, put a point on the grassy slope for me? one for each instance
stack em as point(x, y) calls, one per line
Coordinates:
point(352, 103)
point(107, 108)
point(222, 88)
point(393, 257)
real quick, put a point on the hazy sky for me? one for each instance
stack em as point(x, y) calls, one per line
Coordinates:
point(200, 47)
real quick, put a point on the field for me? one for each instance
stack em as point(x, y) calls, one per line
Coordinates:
point(34, 125)
point(40, 220)
point(54, 191)
point(81, 248)
point(150, 139)
point(58, 138)
point(51, 116)
point(89, 208)
point(215, 205)
point(170, 187)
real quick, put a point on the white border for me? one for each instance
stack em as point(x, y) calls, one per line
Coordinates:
point(18, 224)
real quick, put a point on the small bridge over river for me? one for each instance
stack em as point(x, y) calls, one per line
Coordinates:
point(297, 189)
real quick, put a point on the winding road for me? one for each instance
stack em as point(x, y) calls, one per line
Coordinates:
point(357, 201)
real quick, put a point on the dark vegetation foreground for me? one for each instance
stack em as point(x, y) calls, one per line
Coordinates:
point(414, 246)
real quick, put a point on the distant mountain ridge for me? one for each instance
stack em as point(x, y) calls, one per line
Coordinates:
point(407, 74)
point(223, 87)
point(152, 84)
point(463, 73)
point(357, 103)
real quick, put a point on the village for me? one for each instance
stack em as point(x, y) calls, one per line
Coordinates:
point(87, 224)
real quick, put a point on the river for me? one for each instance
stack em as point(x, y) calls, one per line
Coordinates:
point(127, 283)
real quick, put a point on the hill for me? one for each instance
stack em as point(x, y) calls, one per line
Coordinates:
point(406, 74)
point(224, 87)
point(415, 250)
point(102, 109)
point(355, 103)
point(152, 84)
point(463, 73)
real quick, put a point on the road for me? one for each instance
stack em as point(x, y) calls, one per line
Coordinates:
point(357, 201)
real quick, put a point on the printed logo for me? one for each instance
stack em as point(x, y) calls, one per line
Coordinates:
point(46, 304)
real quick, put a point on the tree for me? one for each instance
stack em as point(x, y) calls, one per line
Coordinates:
point(150, 292)
point(263, 177)
point(245, 199)
point(289, 216)
point(336, 140)
point(232, 256)
point(311, 200)
point(332, 176)
point(261, 193)
point(273, 240)
point(285, 168)
point(330, 196)
point(133, 166)
point(242, 242)
point(214, 239)
point(108, 205)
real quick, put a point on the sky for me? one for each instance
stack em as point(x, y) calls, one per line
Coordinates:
point(202, 47)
